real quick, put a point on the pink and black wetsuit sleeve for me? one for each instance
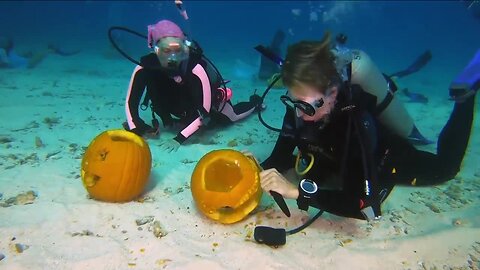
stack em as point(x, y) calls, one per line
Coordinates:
point(201, 94)
point(136, 88)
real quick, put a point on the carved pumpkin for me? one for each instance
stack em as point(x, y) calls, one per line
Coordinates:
point(226, 185)
point(116, 166)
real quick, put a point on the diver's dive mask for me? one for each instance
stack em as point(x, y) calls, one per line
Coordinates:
point(172, 51)
point(307, 108)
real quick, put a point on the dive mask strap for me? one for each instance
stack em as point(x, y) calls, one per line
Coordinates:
point(306, 107)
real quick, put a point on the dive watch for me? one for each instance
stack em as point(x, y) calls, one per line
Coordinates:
point(307, 189)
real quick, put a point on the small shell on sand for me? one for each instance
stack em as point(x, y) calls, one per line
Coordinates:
point(2, 256)
point(232, 143)
point(25, 198)
point(19, 248)
point(144, 220)
point(39, 142)
point(163, 262)
point(157, 230)
point(345, 242)
point(21, 199)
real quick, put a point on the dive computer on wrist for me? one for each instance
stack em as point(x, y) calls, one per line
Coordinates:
point(307, 189)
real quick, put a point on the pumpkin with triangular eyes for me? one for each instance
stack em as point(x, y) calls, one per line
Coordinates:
point(116, 166)
point(225, 185)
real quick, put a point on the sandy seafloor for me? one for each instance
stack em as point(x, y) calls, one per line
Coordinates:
point(66, 102)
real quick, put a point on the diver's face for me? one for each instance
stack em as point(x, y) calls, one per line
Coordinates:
point(171, 51)
point(312, 96)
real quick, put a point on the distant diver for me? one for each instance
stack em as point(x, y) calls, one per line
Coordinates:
point(267, 67)
point(9, 58)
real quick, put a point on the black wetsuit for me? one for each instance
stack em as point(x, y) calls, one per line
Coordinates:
point(393, 159)
point(190, 95)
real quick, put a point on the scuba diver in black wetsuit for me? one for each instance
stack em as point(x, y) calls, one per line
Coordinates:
point(182, 86)
point(350, 155)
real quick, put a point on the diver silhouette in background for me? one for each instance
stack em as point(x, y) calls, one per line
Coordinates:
point(267, 67)
point(9, 58)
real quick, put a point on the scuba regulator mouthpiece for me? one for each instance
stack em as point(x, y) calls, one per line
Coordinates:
point(341, 39)
point(172, 64)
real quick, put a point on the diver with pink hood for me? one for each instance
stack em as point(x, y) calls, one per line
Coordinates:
point(182, 86)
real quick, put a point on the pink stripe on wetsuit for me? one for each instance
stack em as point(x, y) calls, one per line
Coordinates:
point(200, 72)
point(130, 122)
point(229, 112)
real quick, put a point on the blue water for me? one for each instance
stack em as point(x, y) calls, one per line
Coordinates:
point(383, 28)
point(391, 32)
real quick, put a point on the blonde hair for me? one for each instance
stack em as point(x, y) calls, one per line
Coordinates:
point(311, 63)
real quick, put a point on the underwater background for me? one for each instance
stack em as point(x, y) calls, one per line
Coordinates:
point(51, 112)
point(391, 32)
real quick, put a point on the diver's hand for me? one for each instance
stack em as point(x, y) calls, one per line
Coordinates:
point(271, 179)
point(170, 145)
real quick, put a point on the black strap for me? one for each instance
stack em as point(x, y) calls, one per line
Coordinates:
point(302, 201)
point(384, 104)
point(392, 88)
point(371, 188)
point(369, 171)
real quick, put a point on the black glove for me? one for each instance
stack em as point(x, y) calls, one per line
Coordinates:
point(256, 100)
point(141, 129)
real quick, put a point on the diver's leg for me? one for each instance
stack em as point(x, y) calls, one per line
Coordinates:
point(237, 112)
point(417, 167)
point(467, 82)
point(453, 140)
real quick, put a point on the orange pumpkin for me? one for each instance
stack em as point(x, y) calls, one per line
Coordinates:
point(225, 185)
point(116, 166)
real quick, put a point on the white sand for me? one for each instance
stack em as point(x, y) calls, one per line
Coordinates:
point(63, 229)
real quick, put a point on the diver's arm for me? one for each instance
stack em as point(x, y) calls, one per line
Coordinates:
point(136, 87)
point(202, 94)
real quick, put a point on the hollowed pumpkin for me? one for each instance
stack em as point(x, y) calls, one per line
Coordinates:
point(116, 166)
point(225, 185)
